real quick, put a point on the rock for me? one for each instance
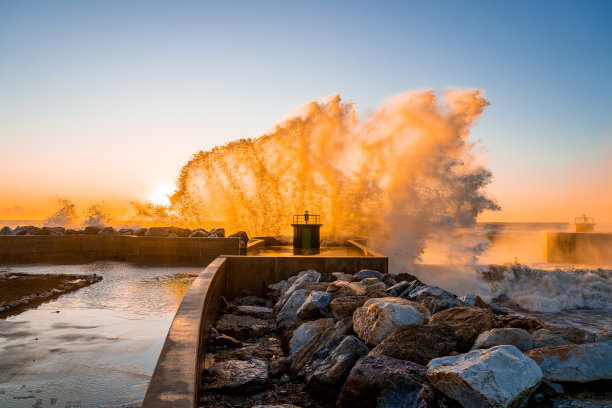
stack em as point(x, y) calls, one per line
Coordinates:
point(389, 279)
point(377, 318)
point(306, 331)
point(279, 366)
point(474, 300)
point(384, 382)
point(417, 343)
point(602, 336)
point(303, 355)
point(558, 336)
point(276, 406)
point(242, 327)
point(501, 376)
point(435, 305)
point(327, 277)
point(250, 301)
point(223, 340)
point(370, 281)
point(530, 324)
point(300, 280)
point(242, 235)
point(467, 322)
point(575, 362)
point(330, 365)
point(180, 232)
point(6, 231)
point(317, 304)
point(315, 286)
point(342, 288)
point(422, 292)
point(367, 273)
point(288, 314)
point(157, 232)
point(172, 235)
point(255, 311)
point(106, 231)
point(126, 231)
point(398, 288)
point(343, 276)
point(519, 338)
point(217, 232)
point(239, 376)
point(90, 230)
point(411, 286)
point(345, 306)
point(198, 233)
point(140, 232)
point(407, 277)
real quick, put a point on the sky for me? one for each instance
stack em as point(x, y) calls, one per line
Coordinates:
point(107, 100)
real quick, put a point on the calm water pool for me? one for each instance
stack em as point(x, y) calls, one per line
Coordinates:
point(102, 346)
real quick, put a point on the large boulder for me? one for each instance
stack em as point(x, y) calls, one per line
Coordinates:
point(398, 288)
point(242, 327)
point(501, 376)
point(157, 232)
point(519, 338)
point(346, 277)
point(317, 304)
point(198, 233)
point(91, 230)
point(6, 231)
point(238, 376)
point(557, 336)
point(106, 231)
point(180, 232)
point(575, 362)
point(418, 343)
point(242, 235)
point(384, 382)
point(345, 306)
point(287, 316)
point(377, 318)
point(530, 324)
point(306, 331)
point(301, 280)
point(330, 365)
point(367, 273)
point(260, 312)
point(467, 322)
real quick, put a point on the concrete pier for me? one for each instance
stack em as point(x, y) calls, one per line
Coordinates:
point(578, 248)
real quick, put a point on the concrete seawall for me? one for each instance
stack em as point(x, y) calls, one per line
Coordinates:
point(578, 248)
point(72, 249)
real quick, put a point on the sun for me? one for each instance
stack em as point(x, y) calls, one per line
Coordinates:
point(160, 194)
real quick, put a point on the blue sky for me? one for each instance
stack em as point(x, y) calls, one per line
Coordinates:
point(141, 85)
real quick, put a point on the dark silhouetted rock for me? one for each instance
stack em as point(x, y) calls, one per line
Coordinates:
point(327, 277)
point(141, 232)
point(199, 233)
point(6, 231)
point(250, 301)
point(157, 232)
point(418, 343)
point(467, 323)
point(367, 273)
point(91, 230)
point(106, 231)
point(242, 235)
point(530, 324)
point(223, 340)
point(242, 327)
point(261, 312)
point(238, 376)
point(126, 231)
point(180, 232)
point(345, 306)
point(330, 365)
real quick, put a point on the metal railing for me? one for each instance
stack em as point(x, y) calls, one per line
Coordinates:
point(584, 220)
point(307, 219)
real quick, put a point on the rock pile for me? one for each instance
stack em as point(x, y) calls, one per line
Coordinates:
point(374, 340)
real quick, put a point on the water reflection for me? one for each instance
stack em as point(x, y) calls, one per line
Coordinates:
point(102, 346)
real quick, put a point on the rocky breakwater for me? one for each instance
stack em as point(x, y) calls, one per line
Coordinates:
point(20, 291)
point(164, 232)
point(374, 340)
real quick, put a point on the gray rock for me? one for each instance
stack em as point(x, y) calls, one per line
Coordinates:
point(531, 324)
point(384, 382)
point(501, 376)
point(557, 336)
point(302, 279)
point(239, 376)
point(223, 340)
point(306, 331)
point(316, 305)
point(367, 273)
point(6, 231)
point(398, 288)
point(330, 366)
point(435, 304)
point(242, 327)
point(199, 233)
point(422, 292)
point(575, 362)
point(377, 318)
point(519, 338)
point(255, 311)
point(288, 314)
point(343, 276)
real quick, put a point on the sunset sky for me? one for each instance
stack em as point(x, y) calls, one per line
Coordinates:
point(107, 100)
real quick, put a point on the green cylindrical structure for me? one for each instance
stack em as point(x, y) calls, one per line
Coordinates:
point(306, 234)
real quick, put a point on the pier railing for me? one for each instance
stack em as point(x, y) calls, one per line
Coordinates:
point(307, 219)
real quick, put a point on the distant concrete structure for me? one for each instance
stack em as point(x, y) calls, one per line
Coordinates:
point(306, 234)
point(584, 224)
point(578, 248)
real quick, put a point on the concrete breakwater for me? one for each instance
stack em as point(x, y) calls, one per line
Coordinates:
point(578, 248)
point(83, 248)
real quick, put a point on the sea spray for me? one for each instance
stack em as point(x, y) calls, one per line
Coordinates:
point(400, 177)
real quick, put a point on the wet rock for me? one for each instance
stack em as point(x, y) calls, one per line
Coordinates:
point(519, 338)
point(422, 292)
point(411, 287)
point(304, 354)
point(306, 331)
point(239, 376)
point(330, 365)
point(530, 324)
point(343, 276)
point(317, 304)
point(6, 231)
point(300, 280)
point(575, 362)
point(223, 340)
point(467, 322)
point(501, 376)
point(327, 277)
point(398, 288)
point(417, 343)
point(157, 232)
point(367, 273)
point(288, 314)
point(557, 336)
point(377, 318)
point(384, 382)
point(255, 311)
point(198, 233)
point(242, 327)
point(345, 306)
